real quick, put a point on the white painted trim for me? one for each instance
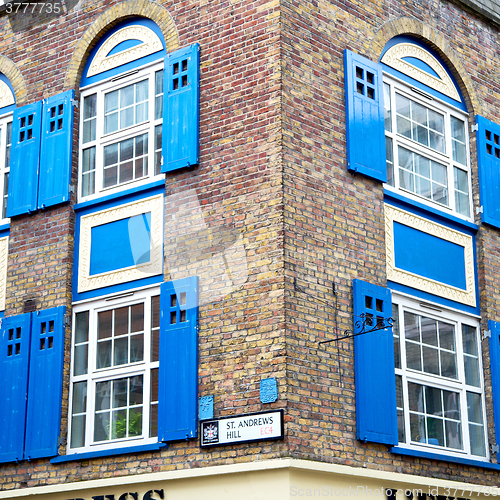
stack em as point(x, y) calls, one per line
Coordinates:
point(393, 478)
point(6, 95)
point(102, 62)
point(394, 58)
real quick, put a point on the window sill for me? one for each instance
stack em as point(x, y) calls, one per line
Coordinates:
point(444, 458)
point(107, 453)
point(119, 194)
point(443, 216)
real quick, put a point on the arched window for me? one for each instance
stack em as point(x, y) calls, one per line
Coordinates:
point(427, 141)
point(122, 110)
point(7, 105)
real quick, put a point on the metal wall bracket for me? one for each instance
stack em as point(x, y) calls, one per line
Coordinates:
point(486, 334)
point(474, 128)
point(480, 210)
point(495, 448)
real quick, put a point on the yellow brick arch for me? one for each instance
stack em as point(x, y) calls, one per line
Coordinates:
point(15, 77)
point(417, 29)
point(111, 17)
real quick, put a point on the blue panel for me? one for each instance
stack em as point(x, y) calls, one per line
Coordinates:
point(488, 156)
point(418, 63)
point(106, 203)
point(12, 107)
point(14, 362)
point(494, 342)
point(415, 83)
point(178, 373)
point(429, 256)
point(24, 160)
point(56, 150)
point(375, 379)
point(128, 66)
point(43, 419)
point(120, 244)
point(206, 408)
point(127, 44)
point(181, 115)
point(268, 390)
point(364, 96)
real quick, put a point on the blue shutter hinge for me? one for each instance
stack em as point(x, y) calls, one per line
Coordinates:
point(475, 127)
point(480, 210)
point(486, 334)
point(67, 320)
point(74, 102)
point(494, 448)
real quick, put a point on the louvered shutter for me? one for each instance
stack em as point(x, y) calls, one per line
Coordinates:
point(364, 95)
point(43, 419)
point(14, 363)
point(24, 160)
point(180, 139)
point(488, 155)
point(375, 379)
point(178, 373)
point(56, 150)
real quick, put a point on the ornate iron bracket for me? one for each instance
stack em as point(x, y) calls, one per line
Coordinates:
point(364, 325)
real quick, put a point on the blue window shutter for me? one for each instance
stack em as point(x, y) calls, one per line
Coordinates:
point(494, 340)
point(181, 112)
point(364, 97)
point(43, 418)
point(178, 373)
point(56, 149)
point(375, 380)
point(24, 160)
point(14, 362)
point(488, 156)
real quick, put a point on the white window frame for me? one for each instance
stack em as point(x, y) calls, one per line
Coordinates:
point(446, 158)
point(101, 89)
point(440, 313)
point(5, 120)
point(95, 375)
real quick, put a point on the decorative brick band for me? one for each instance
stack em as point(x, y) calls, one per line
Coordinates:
point(117, 13)
point(11, 71)
point(410, 26)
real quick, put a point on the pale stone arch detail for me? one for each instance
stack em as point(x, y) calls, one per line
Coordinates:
point(120, 12)
point(15, 77)
point(414, 27)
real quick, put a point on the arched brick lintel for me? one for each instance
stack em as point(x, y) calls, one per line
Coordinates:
point(414, 27)
point(11, 71)
point(111, 17)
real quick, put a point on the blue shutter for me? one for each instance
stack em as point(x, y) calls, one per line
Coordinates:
point(14, 362)
point(494, 328)
point(375, 380)
point(24, 160)
point(56, 150)
point(488, 155)
point(178, 373)
point(180, 139)
point(43, 418)
point(364, 97)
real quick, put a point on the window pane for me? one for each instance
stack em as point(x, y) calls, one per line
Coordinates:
point(395, 334)
point(476, 427)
